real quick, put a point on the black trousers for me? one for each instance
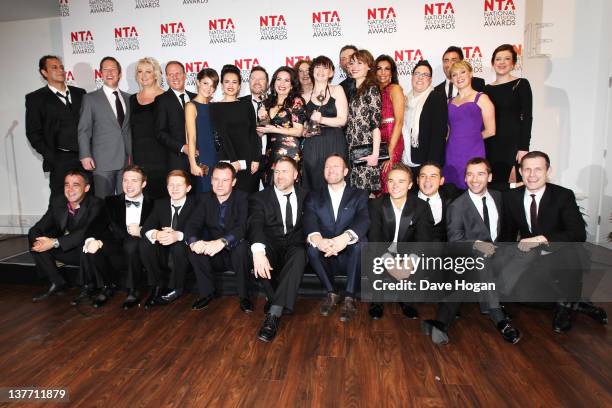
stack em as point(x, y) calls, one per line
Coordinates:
point(204, 267)
point(62, 163)
point(166, 265)
point(288, 263)
point(114, 256)
point(45, 262)
point(348, 261)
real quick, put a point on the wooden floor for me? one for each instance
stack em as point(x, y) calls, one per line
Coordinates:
point(173, 356)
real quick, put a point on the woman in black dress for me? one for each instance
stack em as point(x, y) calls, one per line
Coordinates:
point(513, 118)
point(147, 152)
point(326, 105)
point(234, 121)
point(285, 107)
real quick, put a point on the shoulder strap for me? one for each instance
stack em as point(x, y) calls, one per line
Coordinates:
point(477, 97)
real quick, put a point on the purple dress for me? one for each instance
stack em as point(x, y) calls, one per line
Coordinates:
point(464, 140)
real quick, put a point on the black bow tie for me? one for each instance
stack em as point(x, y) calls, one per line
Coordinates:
point(129, 203)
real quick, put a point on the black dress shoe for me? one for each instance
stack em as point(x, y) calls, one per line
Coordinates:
point(409, 311)
point(201, 303)
point(170, 297)
point(562, 320)
point(509, 333)
point(376, 311)
point(269, 328)
point(246, 305)
point(131, 300)
point(53, 290)
point(152, 298)
point(105, 294)
point(594, 312)
point(437, 330)
point(84, 296)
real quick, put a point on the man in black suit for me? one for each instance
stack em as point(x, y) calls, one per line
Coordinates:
point(399, 217)
point(164, 253)
point(438, 195)
point(216, 236)
point(276, 233)
point(336, 223)
point(546, 215)
point(348, 84)
point(117, 246)
point(170, 117)
point(475, 217)
point(60, 233)
point(258, 85)
point(52, 119)
point(451, 55)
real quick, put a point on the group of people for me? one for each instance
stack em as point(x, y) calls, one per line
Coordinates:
point(303, 174)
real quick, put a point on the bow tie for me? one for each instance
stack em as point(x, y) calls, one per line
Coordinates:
point(129, 203)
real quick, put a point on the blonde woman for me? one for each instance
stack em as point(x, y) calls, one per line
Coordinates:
point(147, 152)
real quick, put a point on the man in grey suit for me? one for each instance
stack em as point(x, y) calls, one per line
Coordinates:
point(475, 217)
point(105, 139)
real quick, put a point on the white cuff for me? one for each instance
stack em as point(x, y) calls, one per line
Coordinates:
point(87, 241)
point(258, 247)
point(310, 236)
point(149, 235)
point(355, 237)
point(180, 235)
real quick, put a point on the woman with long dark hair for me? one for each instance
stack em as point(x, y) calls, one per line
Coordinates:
point(235, 123)
point(285, 107)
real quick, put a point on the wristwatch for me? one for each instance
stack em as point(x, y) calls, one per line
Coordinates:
point(56, 243)
point(351, 235)
point(225, 242)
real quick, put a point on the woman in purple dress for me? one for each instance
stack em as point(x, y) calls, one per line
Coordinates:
point(471, 119)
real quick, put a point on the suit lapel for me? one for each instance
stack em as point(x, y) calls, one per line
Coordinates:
point(346, 196)
point(126, 99)
point(329, 206)
point(276, 205)
point(389, 217)
point(475, 213)
point(406, 218)
point(121, 209)
point(498, 206)
point(103, 100)
point(82, 210)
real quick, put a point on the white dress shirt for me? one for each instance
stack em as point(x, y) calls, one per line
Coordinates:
point(178, 96)
point(149, 233)
point(527, 203)
point(398, 218)
point(55, 91)
point(446, 85)
point(492, 209)
point(111, 98)
point(282, 200)
point(435, 203)
point(132, 213)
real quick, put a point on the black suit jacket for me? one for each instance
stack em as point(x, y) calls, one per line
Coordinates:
point(559, 217)
point(170, 125)
point(265, 224)
point(352, 213)
point(464, 223)
point(433, 128)
point(115, 217)
point(161, 215)
point(43, 111)
point(448, 192)
point(54, 222)
point(416, 224)
point(478, 84)
point(204, 221)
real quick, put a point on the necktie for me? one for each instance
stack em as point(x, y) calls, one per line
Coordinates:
point(288, 214)
point(119, 107)
point(533, 212)
point(485, 214)
point(427, 200)
point(129, 203)
point(450, 91)
point(182, 96)
point(222, 211)
point(65, 98)
point(174, 222)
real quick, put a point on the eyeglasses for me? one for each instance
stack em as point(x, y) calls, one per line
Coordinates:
point(421, 75)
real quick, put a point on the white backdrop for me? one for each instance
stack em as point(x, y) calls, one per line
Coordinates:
point(211, 33)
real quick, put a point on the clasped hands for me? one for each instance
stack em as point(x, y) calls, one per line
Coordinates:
point(210, 248)
point(166, 236)
point(42, 244)
point(331, 246)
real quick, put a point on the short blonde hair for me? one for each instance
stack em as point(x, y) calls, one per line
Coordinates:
point(463, 64)
point(157, 71)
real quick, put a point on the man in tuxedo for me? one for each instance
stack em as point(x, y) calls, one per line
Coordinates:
point(216, 236)
point(399, 217)
point(543, 214)
point(170, 117)
point(348, 84)
point(52, 118)
point(105, 137)
point(164, 253)
point(438, 195)
point(336, 223)
point(276, 233)
point(117, 246)
point(258, 85)
point(60, 233)
point(451, 55)
point(475, 217)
